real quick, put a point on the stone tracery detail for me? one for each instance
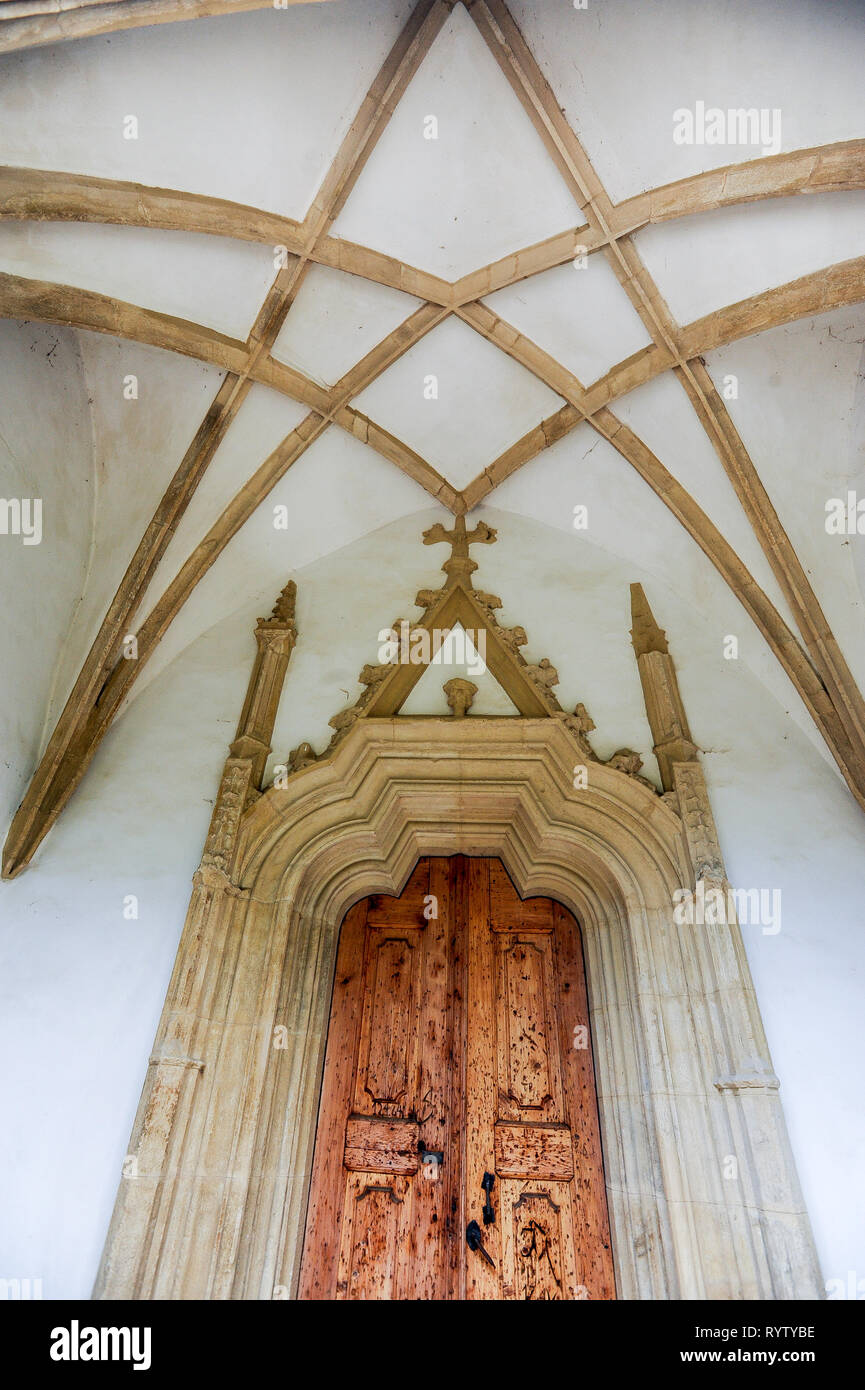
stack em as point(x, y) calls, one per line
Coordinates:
point(213, 1066)
point(226, 814)
point(479, 608)
point(699, 823)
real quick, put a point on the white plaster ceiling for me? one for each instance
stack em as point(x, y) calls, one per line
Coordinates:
point(132, 449)
point(799, 387)
point(576, 312)
point(252, 107)
point(263, 421)
point(702, 263)
point(483, 402)
point(337, 492)
point(209, 280)
point(336, 320)
point(663, 418)
point(483, 187)
point(620, 71)
point(45, 452)
point(254, 112)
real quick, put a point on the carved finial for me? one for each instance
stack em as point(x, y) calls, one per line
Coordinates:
point(583, 720)
point(283, 609)
point(343, 720)
point(300, 757)
point(627, 761)
point(373, 675)
point(580, 724)
point(645, 633)
point(460, 565)
point(459, 693)
point(514, 637)
point(544, 674)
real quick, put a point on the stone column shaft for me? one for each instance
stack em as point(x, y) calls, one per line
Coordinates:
point(275, 637)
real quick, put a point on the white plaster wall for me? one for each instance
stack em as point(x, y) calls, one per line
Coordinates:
point(82, 986)
point(46, 453)
point(137, 446)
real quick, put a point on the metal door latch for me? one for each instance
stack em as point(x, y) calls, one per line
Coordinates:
point(487, 1184)
point(475, 1241)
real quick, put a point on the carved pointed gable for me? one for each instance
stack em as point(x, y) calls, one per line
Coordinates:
point(458, 608)
point(458, 605)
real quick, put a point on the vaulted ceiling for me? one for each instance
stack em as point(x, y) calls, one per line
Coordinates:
point(440, 244)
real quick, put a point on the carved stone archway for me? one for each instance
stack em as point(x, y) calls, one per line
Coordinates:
point(703, 1196)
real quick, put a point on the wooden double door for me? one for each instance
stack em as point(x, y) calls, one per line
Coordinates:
point(458, 1148)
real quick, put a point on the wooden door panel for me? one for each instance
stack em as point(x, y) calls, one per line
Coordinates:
point(527, 1044)
point(459, 1028)
point(538, 1249)
point(381, 1146)
point(591, 1220)
point(536, 1125)
point(320, 1263)
point(534, 1151)
point(374, 1228)
point(482, 1078)
point(377, 1222)
point(387, 1065)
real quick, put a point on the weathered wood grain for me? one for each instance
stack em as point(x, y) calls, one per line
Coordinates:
point(374, 1145)
point(534, 1150)
point(401, 1232)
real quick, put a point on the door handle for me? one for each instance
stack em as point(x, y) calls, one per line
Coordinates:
point(487, 1184)
point(475, 1241)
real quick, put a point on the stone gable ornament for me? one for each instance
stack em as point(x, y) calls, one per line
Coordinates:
point(459, 693)
point(413, 644)
point(627, 761)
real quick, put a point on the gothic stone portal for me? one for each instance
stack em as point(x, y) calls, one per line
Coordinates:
point(458, 1100)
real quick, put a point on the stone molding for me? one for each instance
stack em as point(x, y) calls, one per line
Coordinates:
point(684, 1074)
